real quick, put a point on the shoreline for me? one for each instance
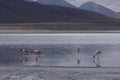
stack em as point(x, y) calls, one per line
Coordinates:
point(59, 28)
point(55, 67)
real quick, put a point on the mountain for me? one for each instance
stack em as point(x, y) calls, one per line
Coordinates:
point(54, 2)
point(92, 6)
point(20, 11)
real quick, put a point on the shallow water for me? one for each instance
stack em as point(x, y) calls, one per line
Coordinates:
point(60, 54)
point(37, 73)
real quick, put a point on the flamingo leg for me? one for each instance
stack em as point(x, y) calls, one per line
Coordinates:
point(96, 60)
point(36, 59)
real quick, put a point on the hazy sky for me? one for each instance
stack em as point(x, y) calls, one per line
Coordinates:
point(59, 38)
point(112, 4)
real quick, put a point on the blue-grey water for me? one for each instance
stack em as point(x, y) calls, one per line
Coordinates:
point(61, 54)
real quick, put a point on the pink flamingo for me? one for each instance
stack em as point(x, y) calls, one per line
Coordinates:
point(78, 60)
point(78, 50)
point(24, 52)
point(96, 58)
point(37, 53)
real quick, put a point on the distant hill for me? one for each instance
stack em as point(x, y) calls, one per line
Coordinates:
point(20, 11)
point(54, 2)
point(92, 6)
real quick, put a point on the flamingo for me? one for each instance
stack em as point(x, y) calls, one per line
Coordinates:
point(96, 58)
point(78, 50)
point(24, 52)
point(78, 60)
point(37, 53)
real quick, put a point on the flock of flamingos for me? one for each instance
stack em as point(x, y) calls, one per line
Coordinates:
point(37, 54)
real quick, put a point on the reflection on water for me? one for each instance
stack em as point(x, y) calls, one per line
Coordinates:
point(61, 54)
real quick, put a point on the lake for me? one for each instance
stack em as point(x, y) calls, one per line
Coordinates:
point(61, 49)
